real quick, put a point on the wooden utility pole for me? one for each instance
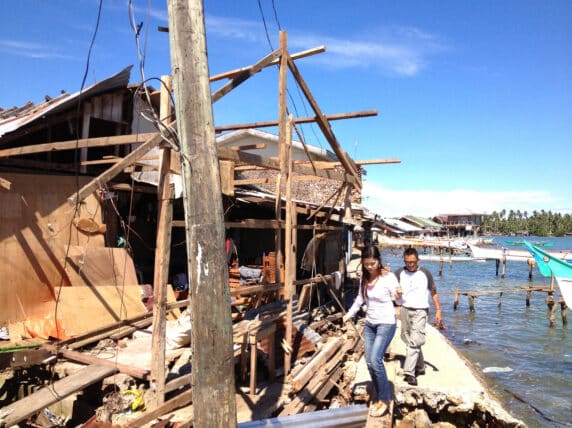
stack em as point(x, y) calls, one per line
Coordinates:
point(214, 403)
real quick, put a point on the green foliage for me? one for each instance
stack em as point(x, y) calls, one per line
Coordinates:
point(543, 223)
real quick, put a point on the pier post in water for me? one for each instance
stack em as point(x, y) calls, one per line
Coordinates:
point(563, 312)
point(456, 301)
point(500, 299)
point(528, 295)
point(471, 302)
point(531, 264)
point(497, 262)
point(503, 267)
point(551, 309)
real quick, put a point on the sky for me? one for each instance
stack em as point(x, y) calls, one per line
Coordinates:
point(474, 97)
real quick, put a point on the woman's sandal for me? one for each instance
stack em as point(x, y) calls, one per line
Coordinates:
point(378, 409)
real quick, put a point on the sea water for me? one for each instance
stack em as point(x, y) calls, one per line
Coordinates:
point(527, 363)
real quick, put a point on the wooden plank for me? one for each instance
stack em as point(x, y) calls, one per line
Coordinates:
point(77, 144)
point(233, 73)
point(112, 172)
point(102, 266)
point(227, 181)
point(245, 75)
point(297, 120)
point(82, 309)
point(174, 403)
point(22, 409)
point(5, 184)
point(78, 357)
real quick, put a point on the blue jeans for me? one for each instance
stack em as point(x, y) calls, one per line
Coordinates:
point(376, 340)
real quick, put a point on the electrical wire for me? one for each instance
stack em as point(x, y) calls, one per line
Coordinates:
point(76, 162)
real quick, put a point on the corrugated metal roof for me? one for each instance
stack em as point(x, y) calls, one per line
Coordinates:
point(422, 221)
point(232, 137)
point(14, 118)
point(406, 227)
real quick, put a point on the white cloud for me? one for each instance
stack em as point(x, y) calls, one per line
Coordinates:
point(30, 50)
point(428, 203)
point(402, 51)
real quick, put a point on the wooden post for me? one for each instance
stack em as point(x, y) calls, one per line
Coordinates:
point(503, 267)
point(214, 402)
point(500, 299)
point(280, 183)
point(551, 310)
point(528, 295)
point(530, 268)
point(162, 257)
point(471, 302)
point(497, 263)
point(290, 261)
point(563, 312)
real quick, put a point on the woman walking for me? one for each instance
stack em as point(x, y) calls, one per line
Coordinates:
point(378, 290)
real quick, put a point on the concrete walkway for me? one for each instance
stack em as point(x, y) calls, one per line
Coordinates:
point(449, 379)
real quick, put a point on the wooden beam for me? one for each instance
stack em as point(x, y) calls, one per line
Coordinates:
point(77, 144)
point(324, 124)
point(245, 75)
point(112, 172)
point(289, 246)
point(334, 164)
point(162, 258)
point(233, 73)
point(269, 180)
point(252, 159)
point(377, 161)
point(45, 397)
point(297, 120)
point(78, 357)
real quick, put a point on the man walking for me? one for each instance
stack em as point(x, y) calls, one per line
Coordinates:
point(416, 284)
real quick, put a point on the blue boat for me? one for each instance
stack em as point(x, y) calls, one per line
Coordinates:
point(551, 266)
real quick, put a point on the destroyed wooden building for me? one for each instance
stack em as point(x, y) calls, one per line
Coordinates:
point(84, 245)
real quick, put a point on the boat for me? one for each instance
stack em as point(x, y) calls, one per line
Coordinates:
point(510, 254)
point(549, 266)
point(520, 243)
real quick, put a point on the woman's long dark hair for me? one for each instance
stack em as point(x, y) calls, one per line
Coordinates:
point(369, 252)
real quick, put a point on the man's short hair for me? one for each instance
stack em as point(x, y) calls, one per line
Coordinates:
point(410, 251)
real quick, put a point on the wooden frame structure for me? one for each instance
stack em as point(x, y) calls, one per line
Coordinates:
point(285, 227)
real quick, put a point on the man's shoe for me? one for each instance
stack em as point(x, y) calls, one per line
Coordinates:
point(411, 380)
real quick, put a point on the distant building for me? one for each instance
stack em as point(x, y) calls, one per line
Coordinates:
point(469, 224)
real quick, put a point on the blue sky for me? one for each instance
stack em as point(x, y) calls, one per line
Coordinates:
point(474, 97)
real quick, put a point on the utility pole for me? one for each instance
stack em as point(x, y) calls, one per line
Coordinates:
point(214, 402)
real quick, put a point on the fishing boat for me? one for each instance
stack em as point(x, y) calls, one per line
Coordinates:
point(520, 243)
point(549, 266)
point(511, 254)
